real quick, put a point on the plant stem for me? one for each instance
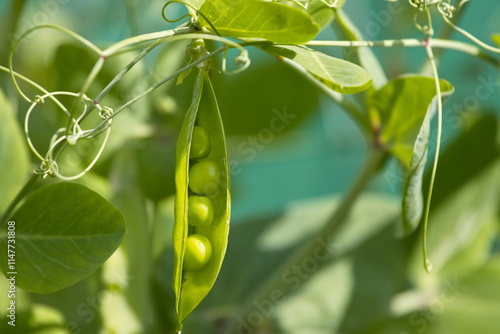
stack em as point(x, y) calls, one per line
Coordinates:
point(413, 42)
point(102, 125)
point(336, 222)
point(25, 190)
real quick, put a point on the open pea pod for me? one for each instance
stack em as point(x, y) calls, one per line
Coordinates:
point(195, 271)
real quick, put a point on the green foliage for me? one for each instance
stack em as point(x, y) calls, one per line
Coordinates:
point(66, 229)
point(340, 75)
point(13, 154)
point(321, 264)
point(404, 121)
point(272, 21)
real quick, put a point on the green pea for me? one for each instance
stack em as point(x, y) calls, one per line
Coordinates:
point(202, 200)
point(200, 211)
point(200, 144)
point(198, 252)
point(204, 178)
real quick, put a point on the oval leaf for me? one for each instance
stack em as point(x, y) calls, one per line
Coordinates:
point(191, 287)
point(64, 232)
point(338, 74)
point(272, 21)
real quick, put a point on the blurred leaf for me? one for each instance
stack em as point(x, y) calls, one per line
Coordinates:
point(66, 229)
point(156, 163)
point(413, 201)
point(290, 229)
point(379, 273)
point(284, 100)
point(471, 304)
point(312, 309)
point(474, 151)
point(263, 245)
point(47, 320)
point(454, 226)
point(13, 154)
point(136, 244)
point(275, 22)
point(465, 199)
point(362, 56)
point(496, 39)
point(340, 75)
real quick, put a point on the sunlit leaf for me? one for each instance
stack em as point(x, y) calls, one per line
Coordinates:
point(338, 74)
point(272, 21)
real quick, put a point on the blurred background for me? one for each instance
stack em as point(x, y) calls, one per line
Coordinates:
point(285, 184)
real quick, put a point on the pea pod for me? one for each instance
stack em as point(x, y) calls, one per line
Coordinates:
point(192, 286)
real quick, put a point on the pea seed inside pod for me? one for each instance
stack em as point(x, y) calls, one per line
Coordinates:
point(200, 143)
point(198, 252)
point(200, 211)
point(204, 178)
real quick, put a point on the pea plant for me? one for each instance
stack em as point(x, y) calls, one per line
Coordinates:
point(126, 198)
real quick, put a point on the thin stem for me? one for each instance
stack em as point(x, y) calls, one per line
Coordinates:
point(120, 75)
point(22, 193)
point(413, 42)
point(471, 37)
point(102, 126)
point(113, 49)
point(336, 222)
point(430, 54)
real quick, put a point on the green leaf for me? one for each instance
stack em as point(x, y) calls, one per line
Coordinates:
point(191, 287)
point(496, 39)
point(474, 151)
point(263, 245)
point(64, 232)
point(405, 107)
point(472, 303)
point(321, 13)
point(13, 154)
point(338, 74)
point(312, 309)
point(272, 21)
point(401, 106)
